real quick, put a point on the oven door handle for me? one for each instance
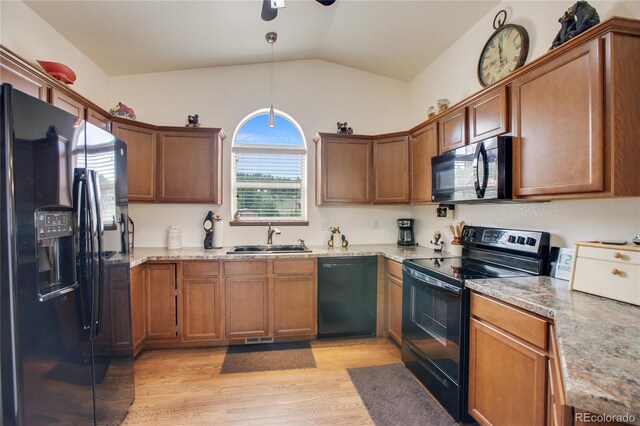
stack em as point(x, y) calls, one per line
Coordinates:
point(430, 281)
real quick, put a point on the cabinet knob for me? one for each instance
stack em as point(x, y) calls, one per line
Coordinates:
point(615, 271)
point(618, 255)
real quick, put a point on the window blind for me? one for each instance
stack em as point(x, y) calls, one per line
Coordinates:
point(269, 184)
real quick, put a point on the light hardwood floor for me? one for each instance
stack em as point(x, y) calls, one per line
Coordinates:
point(185, 387)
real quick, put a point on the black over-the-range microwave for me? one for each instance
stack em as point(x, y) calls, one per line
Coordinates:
point(480, 172)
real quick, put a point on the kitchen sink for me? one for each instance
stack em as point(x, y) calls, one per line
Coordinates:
point(283, 248)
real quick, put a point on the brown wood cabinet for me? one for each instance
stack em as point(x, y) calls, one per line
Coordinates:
point(160, 308)
point(201, 301)
point(246, 306)
point(141, 160)
point(189, 166)
point(393, 298)
point(488, 115)
point(294, 298)
point(391, 170)
point(558, 131)
point(99, 119)
point(138, 329)
point(23, 80)
point(558, 412)
point(452, 129)
point(507, 369)
point(344, 169)
point(67, 103)
point(423, 145)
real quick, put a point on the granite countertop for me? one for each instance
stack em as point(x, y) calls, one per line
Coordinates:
point(391, 251)
point(598, 340)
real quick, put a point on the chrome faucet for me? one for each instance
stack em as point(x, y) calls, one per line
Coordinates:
point(270, 233)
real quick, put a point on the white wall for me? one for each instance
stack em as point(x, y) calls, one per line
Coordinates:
point(453, 76)
point(315, 93)
point(27, 34)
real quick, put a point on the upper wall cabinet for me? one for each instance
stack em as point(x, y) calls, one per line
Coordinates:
point(141, 160)
point(488, 115)
point(23, 80)
point(391, 170)
point(189, 163)
point(67, 103)
point(344, 169)
point(99, 119)
point(423, 144)
point(575, 122)
point(452, 128)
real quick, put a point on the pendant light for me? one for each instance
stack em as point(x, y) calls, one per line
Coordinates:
point(271, 39)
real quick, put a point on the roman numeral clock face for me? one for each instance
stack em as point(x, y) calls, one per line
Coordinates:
point(505, 52)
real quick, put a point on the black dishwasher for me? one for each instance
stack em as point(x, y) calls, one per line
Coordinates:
point(347, 294)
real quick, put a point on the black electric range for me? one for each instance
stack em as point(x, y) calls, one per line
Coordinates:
point(435, 317)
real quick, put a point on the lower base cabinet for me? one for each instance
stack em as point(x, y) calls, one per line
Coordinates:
point(246, 307)
point(160, 308)
point(201, 310)
point(294, 306)
point(138, 330)
point(393, 300)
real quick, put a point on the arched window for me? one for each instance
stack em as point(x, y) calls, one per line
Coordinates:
point(268, 181)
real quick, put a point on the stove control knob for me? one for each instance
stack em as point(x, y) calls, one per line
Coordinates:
point(521, 240)
point(472, 233)
point(512, 239)
point(531, 241)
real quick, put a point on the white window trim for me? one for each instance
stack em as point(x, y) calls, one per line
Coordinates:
point(303, 219)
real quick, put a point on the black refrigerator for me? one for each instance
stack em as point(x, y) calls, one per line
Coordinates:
point(65, 316)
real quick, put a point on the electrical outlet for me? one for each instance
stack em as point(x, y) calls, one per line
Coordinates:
point(376, 224)
point(441, 212)
point(324, 226)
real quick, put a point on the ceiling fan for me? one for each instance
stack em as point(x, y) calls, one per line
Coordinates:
point(270, 7)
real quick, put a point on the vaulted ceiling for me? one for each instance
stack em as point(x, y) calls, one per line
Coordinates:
point(393, 38)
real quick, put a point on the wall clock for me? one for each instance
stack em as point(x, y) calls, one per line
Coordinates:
point(505, 51)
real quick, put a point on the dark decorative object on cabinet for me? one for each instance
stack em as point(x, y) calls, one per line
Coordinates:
point(577, 19)
point(342, 128)
point(193, 121)
point(121, 110)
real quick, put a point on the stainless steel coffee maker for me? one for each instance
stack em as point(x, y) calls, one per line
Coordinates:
point(406, 237)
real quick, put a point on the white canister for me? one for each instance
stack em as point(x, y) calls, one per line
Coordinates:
point(455, 249)
point(217, 232)
point(174, 238)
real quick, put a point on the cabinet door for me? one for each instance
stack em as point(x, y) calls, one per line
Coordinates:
point(558, 125)
point(99, 119)
point(67, 103)
point(141, 160)
point(246, 307)
point(120, 307)
point(394, 308)
point(188, 167)
point(488, 115)
point(160, 306)
point(23, 80)
point(201, 309)
point(423, 145)
point(453, 130)
point(345, 167)
point(138, 332)
point(558, 412)
point(391, 170)
point(507, 378)
point(295, 306)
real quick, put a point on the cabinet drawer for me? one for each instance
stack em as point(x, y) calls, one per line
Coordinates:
point(610, 254)
point(294, 267)
point(519, 323)
point(201, 269)
point(394, 269)
point(614, 280)
point(245, 267)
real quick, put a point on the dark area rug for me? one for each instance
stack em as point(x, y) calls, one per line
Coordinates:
point(268, 357)
point(394, 397)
